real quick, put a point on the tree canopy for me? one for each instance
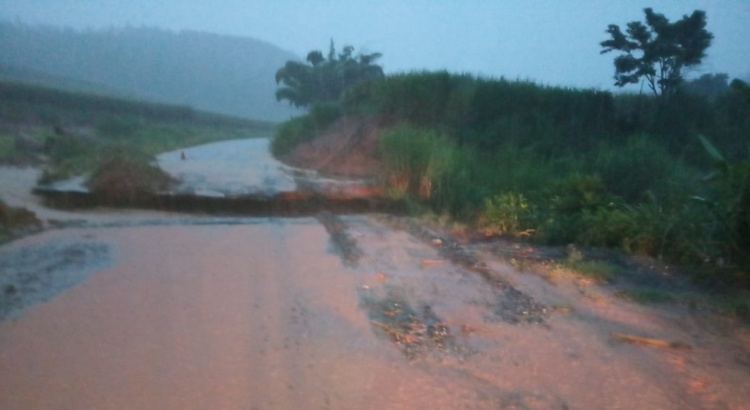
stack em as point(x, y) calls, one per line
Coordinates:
point(324, 78)
point(658, 50)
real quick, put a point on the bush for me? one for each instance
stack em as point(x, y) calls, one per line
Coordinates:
point(510, 213)
point(14, 221)
point(117, 128)
point(127, 176)
point(304, 128)
point(414, 159)
point(292, 133)
point(632, 169)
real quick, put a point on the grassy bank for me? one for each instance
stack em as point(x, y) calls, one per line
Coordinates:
point(559, 166)
point(16, 221)
point(73, 133)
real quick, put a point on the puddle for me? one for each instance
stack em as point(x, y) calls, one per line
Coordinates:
point(33, 274)
point(415, 332)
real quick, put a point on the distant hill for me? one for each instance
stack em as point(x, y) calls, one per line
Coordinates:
point(223, 74)
point(38, 78)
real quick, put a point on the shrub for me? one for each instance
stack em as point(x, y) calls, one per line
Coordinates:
point(14, 220)
point(304, 128)
point(414, 159)
point(292, 133)
point(127, 176)
point(510, 213)
point(632, 169)
point(729, 204)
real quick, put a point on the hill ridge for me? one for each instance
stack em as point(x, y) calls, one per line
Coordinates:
point(215, 72)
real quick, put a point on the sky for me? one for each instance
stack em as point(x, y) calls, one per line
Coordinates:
point(551, 42)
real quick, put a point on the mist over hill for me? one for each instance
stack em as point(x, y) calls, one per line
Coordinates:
point(225, 74)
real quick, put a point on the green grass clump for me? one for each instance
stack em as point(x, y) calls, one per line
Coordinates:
point(599, 270)
point(15, 220)
point(415, 159)
point(7, 147)
point(304, 128)
point(125, 175)
point(510, 213)
point(646, 296)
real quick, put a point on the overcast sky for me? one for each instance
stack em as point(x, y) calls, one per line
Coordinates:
point(553, 42)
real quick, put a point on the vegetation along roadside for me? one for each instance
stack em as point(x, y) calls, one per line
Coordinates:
point(664, 174)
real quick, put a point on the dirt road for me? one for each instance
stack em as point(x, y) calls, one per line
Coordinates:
point(267, 315)
point(162, 311)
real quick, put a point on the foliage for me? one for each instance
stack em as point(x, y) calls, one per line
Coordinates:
point(324, 79)
point(561, 166)
point(730, 202)
point(632, 169)
point(14, 220)
point(646, 296)
point(9, 151)
point(486, 113)
point(125, 175)
point(658, 50)
point(304, 128)
point(708, 85)
point(510, 213)
point(742, 88)
point(75, 130)
point(25, 103)
point(414, 160)
point(599, 270)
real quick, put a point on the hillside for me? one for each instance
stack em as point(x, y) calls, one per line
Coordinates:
point(69, 133)
point(224, 74)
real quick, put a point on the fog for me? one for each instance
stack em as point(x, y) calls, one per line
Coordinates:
point(547, 41)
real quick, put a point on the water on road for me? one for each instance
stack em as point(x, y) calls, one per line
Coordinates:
point(166, 311)
point(228, 168)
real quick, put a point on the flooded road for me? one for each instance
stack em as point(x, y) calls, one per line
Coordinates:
point(187, 312)
point(228, 168)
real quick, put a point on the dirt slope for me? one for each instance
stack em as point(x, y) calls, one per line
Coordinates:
point(348, 148)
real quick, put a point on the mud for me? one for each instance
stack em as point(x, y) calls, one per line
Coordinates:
point(510, 305)
point(238, 177)
point(36, 273)
point(416, 333)
point(259, 313)
point(341, 241)
point(301, 203)
point(335, 311)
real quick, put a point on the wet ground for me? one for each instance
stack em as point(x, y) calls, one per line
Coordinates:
point(228, 168)
point(167, 311)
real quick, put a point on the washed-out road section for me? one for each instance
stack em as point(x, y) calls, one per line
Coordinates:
point(188, 312)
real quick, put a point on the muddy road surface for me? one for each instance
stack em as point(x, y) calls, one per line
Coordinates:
point(166, 311)
point(274, 314)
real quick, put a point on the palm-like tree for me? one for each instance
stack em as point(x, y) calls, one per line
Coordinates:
point(324, 79)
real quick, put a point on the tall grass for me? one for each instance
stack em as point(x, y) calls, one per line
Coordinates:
point(304, 128)
point(487, 112)
point(561, 166)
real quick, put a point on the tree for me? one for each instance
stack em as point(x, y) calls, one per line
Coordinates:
point(659, 50)
point(324, 79)
point(708, 85)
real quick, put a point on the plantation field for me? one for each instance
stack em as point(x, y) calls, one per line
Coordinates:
point(650, 176)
